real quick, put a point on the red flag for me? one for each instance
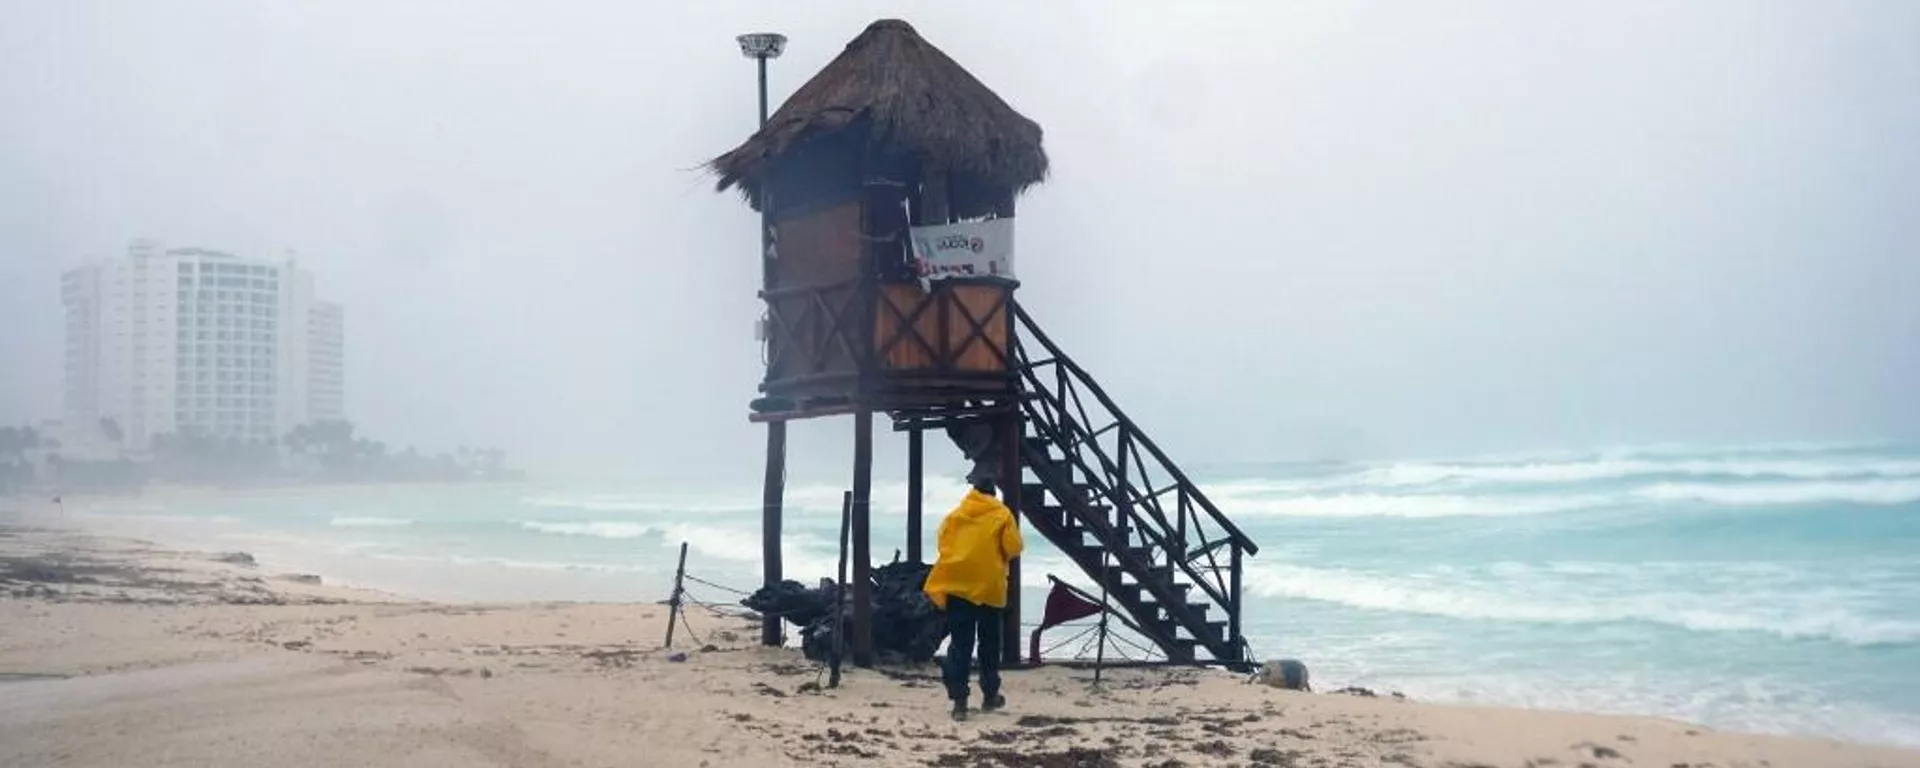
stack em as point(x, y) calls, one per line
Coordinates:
point(1064, 604)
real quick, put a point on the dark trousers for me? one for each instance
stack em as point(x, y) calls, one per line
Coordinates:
point(966, 623)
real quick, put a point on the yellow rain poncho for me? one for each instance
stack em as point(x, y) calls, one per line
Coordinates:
point(976, 541)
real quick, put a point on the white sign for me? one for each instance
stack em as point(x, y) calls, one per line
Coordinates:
point(967, 249)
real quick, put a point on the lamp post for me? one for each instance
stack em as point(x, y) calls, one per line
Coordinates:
point(760, 47)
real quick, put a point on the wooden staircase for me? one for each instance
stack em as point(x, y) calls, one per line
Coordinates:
point(1107, 497)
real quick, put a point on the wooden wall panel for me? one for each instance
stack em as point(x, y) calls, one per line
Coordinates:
point(818, 247)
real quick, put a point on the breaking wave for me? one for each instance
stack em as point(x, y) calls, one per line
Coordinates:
point(598, 529)
point(1879, 492)
point(1407, 505)
point(369, 522)
point(1605, 469)
point(1791, 616)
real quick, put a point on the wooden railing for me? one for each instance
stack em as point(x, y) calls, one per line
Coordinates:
point(1162, 510)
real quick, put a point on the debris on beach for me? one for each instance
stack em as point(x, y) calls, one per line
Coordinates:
point(1284, 673)
point(906, 626)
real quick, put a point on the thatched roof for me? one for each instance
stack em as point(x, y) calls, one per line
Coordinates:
point(912, 101)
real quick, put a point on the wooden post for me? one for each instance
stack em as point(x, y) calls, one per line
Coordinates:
point(773, 494)
point(862, 537)
point(679, 585)
point(1233, 609)
point(1100, 652)
point(1010, 430)
point(916, 446)
point(840, 594)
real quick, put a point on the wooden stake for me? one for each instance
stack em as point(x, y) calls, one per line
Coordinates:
point(673, 603)
point(840, 593)
point(1100, 652)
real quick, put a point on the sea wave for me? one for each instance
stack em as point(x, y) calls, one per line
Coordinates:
point(604, 529)
point(1798, 617)
point(1402, 505)
point(507, 562)
point(369, 522)
point(719, 542)
point(1421, 473)
point(614, 502)
point(1878, 492)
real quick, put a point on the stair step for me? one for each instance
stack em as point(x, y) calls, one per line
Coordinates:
point(1215, 630)
point(1154, 605)
point(1092, 550)
point(1133, 593)
point(1162, 574)
point(1182, 649)
point(1143, 554)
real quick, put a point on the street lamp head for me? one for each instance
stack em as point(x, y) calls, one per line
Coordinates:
point(762, 45)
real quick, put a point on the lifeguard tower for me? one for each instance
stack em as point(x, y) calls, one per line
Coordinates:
point(887, 184)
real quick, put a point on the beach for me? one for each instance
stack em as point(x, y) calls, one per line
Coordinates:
point(116, 651)
point(1762, 588)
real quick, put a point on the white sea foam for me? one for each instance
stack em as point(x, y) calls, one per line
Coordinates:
point(507, 562)
point(172, 519)
point(1401, 505)
point(1793, 616)
point(1418, 473)
point(1762, 494)
point(715, 542)
point(369, 522)
point(616, 502)
point(604, 529)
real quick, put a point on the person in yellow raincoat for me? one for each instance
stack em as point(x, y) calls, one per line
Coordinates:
point(969, 582)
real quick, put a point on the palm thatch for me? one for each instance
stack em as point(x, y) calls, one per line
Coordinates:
point(908, 100)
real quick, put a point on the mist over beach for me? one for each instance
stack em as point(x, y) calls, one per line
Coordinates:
point(1559, 360)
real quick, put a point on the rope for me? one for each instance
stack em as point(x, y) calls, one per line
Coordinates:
point(1116, 639)
point(1061, 644)
point(687, 625)
point(721, 587)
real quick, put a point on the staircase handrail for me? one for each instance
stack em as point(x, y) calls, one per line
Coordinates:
point(1032, 328)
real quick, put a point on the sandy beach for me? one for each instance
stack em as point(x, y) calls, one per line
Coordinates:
point(117, 652)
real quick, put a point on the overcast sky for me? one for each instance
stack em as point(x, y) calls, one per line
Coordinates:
point(1274, 230)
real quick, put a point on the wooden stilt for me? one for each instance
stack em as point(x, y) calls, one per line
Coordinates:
point(862, 537)
point(773, 494)
point(840, 595)
point(915, 458)
point(1010, 476)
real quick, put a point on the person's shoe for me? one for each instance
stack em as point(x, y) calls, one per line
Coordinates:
point(994, 703)
point(960, 711)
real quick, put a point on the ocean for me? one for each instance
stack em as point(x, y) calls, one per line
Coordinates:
point(1769, 588)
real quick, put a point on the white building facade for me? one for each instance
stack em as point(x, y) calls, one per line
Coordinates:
point(190, 340)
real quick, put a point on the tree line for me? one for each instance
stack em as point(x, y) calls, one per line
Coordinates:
point(327, 451)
